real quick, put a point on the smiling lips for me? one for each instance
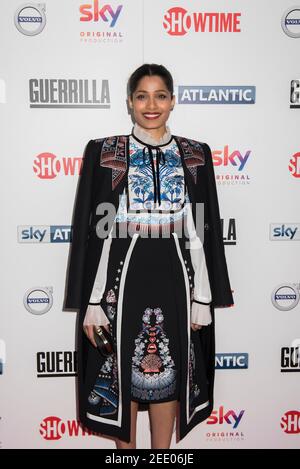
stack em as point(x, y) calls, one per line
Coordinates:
point(151, 115)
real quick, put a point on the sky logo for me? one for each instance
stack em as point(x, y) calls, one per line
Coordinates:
point(44, 234)
point(230, 417)
point(284, 232)
point(92, 12)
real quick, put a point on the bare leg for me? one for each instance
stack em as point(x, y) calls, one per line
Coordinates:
point(162, 417)
point(120, 444)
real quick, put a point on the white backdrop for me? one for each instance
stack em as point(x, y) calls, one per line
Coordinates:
point(256, 399)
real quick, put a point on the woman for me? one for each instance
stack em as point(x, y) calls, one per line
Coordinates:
point(154, 288)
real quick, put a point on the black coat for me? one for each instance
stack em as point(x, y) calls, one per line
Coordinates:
point(103, 178)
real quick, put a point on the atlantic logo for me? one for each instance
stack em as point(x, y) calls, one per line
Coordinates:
point(284, 231)
point(229, 231)
point(290, 422)
point(199, 94)
point(56, 364)
point(231, 361)
point(294, 165)
point(230, 417)
point(178, 22)
point(49, 166)
point(290, 359)
point(44, 233)
point(69, 93)
point(295, 94)
point(53, 428)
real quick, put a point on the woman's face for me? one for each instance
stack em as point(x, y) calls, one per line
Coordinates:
point(151, 103)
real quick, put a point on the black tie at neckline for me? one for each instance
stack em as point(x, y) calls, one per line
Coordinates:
point(160, 156)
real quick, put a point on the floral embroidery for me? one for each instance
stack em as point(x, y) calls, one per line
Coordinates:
point(140, 179)
point(153, 369)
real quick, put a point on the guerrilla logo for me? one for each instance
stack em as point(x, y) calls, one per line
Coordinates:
point(56, 364)
point(69, 93)
point(295, 94)
point(290, 358)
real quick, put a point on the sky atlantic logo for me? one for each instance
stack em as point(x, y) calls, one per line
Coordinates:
point(69, 93)
point(202, 94)
point(231, 361)
point(284, 231)
point(30, 18)
point(178, 22)
point(44, 234)
point(53, 428)
point(48, 166)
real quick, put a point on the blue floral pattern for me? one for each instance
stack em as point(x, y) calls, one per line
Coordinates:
point(140, 179)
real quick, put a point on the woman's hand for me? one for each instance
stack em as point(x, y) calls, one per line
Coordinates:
point(196, 327)
point(89, 332)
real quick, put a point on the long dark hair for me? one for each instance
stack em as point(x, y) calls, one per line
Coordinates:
point(149, 70)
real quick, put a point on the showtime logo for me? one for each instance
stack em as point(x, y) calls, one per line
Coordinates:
point(177, 22)
point(290, 422)
point(47, 166)
point(53, 428)
point(294, 165)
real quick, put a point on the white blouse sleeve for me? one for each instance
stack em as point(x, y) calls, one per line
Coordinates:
point(202, 298)
point(95, 316)
point(94, 313)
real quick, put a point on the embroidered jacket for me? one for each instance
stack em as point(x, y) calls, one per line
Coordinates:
point(103, 178)
point(153, 193)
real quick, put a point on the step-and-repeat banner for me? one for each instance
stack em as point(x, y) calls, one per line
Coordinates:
point(64, 67)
